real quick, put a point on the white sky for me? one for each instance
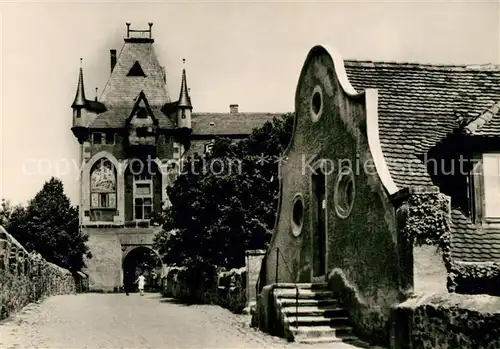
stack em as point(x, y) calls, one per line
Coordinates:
point(246, 53)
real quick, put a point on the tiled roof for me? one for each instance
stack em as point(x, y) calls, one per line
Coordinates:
point(228, 123)
point(487, 124)
point(122, 89)
point(116, 117)
point(470, 244)
point(420, 104)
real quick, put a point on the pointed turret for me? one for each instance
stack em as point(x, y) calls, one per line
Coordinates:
point(184, 105)
point(80, 100)
point(84, 111)
point(184, 99)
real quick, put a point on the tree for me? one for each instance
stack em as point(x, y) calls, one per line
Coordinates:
point(49, 225)
point(225, 202)
point(6, 210)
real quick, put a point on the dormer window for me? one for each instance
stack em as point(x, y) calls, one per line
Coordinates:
point(491, 179)
point(485, 193)
point(136, 70)
point(142, 113)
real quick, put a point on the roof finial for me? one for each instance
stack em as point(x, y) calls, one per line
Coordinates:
point(96, 89)
point(128, 28)
point(81, 62)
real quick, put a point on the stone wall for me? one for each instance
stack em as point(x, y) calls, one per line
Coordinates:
point(448, 321)
point(224, 288)
point(27, 277)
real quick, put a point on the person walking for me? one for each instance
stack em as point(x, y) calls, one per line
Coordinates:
point(141, 280)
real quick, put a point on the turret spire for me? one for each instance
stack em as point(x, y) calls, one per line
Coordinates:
point(80, 100)
point(184, 99)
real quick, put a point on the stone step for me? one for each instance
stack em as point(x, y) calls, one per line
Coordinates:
point(317, 320)
point(321, 331)
point(315, 286)
point(333, 339)
point(303, 293)
point(291, 301)
point(314, 310)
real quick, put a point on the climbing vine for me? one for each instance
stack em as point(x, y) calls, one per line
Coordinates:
point(428, 221)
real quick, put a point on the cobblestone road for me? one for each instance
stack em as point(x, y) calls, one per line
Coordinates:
point(118, 321)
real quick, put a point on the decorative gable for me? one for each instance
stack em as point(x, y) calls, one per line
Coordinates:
point(142, 123)
point(136, 70)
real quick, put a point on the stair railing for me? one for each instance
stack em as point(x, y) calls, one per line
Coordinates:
point(278, 254)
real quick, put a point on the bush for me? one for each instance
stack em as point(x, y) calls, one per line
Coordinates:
point(474, 278)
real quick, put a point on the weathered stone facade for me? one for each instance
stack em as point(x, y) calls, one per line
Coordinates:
point(133, 139)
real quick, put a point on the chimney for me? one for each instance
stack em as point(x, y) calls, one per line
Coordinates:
point(113, 59)
point(233, 108)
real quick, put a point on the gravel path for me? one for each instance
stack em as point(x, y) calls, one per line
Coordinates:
point(117, 321)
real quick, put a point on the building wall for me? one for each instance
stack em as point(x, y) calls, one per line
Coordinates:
point(108, 247)
point(364, 246)
point(105, 267)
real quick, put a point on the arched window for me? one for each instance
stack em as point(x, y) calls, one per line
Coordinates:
point(103, 187)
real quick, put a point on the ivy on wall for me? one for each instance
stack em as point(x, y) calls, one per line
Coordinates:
point(474, 278)
point(429, 223)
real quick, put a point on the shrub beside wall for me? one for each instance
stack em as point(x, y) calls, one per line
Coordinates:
point(226, 288)
point(474, 278)
point(25, 277)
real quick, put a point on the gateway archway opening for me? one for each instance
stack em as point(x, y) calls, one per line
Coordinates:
point(142, 260)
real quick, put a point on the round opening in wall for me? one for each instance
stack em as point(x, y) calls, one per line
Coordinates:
point(344, 193)
point(297, 215)
point(316, 103)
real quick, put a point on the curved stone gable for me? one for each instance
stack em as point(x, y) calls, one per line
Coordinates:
point(336, 129)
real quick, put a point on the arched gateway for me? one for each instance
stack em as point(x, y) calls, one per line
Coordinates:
point(138, 260)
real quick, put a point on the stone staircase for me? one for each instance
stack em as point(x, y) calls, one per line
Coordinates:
point(313, 316)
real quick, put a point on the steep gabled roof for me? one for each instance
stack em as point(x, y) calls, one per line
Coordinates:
point(420, 104)
point(121, 89)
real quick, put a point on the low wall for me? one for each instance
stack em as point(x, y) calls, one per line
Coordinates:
point(448, 321)
point(221, 287)
point(26, 277)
